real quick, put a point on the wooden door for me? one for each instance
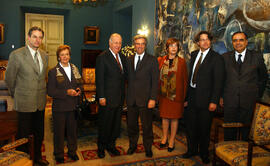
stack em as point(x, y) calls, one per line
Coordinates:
point(53, 27)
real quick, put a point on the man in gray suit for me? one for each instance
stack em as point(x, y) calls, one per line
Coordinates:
point(25, 78)
point(246, 77)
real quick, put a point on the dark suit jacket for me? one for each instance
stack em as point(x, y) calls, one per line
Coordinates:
point(243, 90)
point(142, 83)
point(209, 79)
point(58, 84)
point(110, 81)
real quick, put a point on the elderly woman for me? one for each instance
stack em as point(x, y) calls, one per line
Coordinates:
point(64, 86)
point(173, 85)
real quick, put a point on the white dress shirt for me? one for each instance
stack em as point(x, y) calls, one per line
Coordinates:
point(242, 53)
point(136, 58)
point(67, 70)
point(195, 63)
point(33, 52)
point(118, 58)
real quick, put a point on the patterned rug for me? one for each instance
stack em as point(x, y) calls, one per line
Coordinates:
point(87, 148)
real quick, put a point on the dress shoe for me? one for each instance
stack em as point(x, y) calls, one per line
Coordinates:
point(131, 150)
point(113, 151)
point(59, 159)
point(73, 157)
point(42, 162)
point(161, 145)
point(188, 155)
point(148, 153)
point(101, 153)
point(171, 149)
point(205, 159)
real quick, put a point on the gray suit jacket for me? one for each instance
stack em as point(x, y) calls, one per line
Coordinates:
point(25, 83)
point(244, 89)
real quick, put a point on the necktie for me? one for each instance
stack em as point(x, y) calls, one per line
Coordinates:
point(118, 62)
point(37, 61)
point(239, 61)
point(196, 69)
point(139, 60)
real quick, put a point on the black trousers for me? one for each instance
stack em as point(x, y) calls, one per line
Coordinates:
point(146, 116)
point(198, 127)
point(109, 123)
point(31, 123)
point(64, 121)
point(237, 115)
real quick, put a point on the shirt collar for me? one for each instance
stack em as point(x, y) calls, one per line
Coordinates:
point(242, 53)
point(32, 51)
point(63, 66)
point(204, 52)
point(112, 52)
point(141, 55)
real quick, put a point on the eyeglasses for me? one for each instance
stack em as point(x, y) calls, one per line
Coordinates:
point(139, 44)
point(238, 40)
point(204, 40)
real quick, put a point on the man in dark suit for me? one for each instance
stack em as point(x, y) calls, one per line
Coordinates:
point(25, 78)
point(143, 76)
point(205, 87)
point(110, 84)
point(246, 77)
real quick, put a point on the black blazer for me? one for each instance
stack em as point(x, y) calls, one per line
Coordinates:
point(110, 81)
point(58, 84)
point(209, 81)
point(142, 83)
point(244, 89)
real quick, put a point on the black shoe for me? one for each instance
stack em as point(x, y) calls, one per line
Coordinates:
point(101, 153)
point(131, 150)
point(148, 153)
point(42, 162)
point(113, 151)
point(171, 149)
point(188, 155)
point(205, 160)
point(161, 145)
point(73, 157)
point(59, 159)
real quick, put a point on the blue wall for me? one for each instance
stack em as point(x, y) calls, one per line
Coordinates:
point(76, 18)
point(143, 13)
point(110, 18)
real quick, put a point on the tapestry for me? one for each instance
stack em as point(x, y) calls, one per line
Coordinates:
point(183, 19)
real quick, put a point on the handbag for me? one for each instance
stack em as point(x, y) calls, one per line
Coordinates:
point(82, 109)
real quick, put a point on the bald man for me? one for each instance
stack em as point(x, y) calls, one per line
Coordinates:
point(110, 84)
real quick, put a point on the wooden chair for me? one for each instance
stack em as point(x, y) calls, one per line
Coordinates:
point(12, 157)
point(256, 151)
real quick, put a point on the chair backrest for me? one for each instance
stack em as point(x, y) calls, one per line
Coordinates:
point(89, 75)
point(260, 128)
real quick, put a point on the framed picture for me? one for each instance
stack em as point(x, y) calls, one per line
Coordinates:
point(1, 33)
point(91, 35)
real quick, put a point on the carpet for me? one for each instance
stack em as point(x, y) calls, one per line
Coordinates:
point(87, 147)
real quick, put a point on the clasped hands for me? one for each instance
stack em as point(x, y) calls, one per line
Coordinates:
point(151, 103)
point(73, 92)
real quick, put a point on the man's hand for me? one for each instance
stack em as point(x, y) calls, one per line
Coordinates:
point(185, 104)
point(72, 92)
point(212, 107)
point(102, 101)
point(151, 103)
point(221, 102)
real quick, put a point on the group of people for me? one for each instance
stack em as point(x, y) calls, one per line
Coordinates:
point(234, 80)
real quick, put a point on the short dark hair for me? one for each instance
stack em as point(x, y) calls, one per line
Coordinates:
point(35, 28)
point(240, 32)
point(209, 35)
point(172, 41)
point(61, 48)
